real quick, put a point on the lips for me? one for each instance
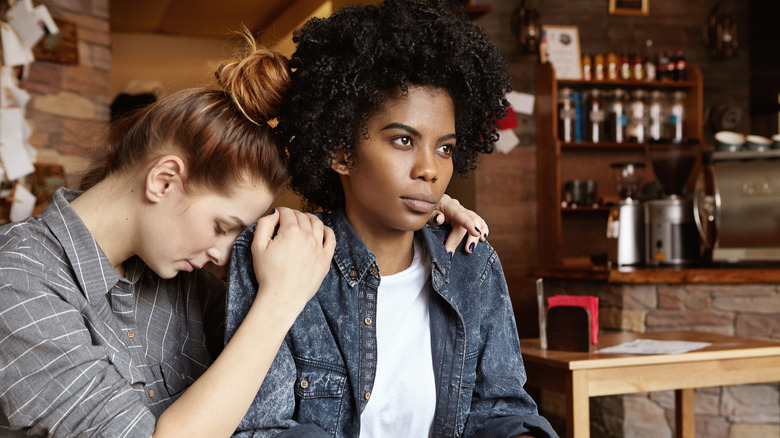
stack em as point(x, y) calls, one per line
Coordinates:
point(420, 203)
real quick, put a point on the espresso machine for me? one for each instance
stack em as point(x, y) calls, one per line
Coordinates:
point(672, 235)
point(626, 223)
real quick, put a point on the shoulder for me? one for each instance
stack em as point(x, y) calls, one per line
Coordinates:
point(29, 244)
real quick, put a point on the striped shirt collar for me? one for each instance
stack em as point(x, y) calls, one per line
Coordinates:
point(96, 279)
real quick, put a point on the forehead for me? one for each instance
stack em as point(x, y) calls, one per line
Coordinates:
point(417, 103)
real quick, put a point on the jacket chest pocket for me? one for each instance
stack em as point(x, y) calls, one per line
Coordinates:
point(319, 392)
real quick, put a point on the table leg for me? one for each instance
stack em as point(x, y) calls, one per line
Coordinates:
point(685, 413)
point(578, 405)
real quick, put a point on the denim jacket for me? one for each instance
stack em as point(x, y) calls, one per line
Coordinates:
point(322, 377)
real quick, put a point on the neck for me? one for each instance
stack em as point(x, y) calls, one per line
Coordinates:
point(394, 249)
point(108, 211)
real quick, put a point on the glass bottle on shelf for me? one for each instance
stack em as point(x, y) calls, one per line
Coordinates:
point(637, 117)
point(625, 65)
point(655, 112)
point(618, 116)
point(612, 66)
point(587, 67)
point(598, 67)
point(676, 116)
point(637, 67)
point(567, 116)
point(596, 116)
point(650, 72)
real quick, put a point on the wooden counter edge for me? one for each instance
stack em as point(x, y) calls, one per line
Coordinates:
point(644, 275)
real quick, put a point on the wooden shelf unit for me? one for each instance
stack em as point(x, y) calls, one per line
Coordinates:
point(575, 234)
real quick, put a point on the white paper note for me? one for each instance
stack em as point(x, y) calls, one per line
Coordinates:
point(507, 140)
point(651, 346)
point(24, 20)
point(522, 103)
point(14, 51)
point(43, 14)
point(13, 150)
point(23, 203)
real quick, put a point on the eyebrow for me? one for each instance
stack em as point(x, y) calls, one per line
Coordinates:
point(238, 221)
point(415, 132)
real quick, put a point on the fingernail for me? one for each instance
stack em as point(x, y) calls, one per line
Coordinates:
point(273, 210)
point(471, 246)
point(477, 230)
point(436, 218)
point(449, 253)
point(485, 235)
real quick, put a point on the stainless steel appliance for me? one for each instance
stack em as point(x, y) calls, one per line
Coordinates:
point(737, 205)
point(672, 236)
point(626, 223)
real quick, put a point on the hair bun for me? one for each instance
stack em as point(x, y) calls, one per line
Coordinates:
point(256, 82)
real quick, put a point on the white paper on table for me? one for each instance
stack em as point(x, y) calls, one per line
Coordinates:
point(522, 103)
point(23, 203)
point(13, 150)
point(21, 97)
point(652, 346)
point(43, 14)
point(24, 20)
point(507, 140)
point(14, 51)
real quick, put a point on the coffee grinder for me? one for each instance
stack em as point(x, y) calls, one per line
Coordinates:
point(672, 236)
point(626, 223)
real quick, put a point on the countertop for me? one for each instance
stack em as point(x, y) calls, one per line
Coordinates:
point(742, 273)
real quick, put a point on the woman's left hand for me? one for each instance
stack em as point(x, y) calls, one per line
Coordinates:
point(463, 221)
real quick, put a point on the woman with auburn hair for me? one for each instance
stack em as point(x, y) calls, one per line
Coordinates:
point(108, 326)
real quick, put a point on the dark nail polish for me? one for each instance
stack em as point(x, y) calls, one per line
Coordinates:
point(485, 235)
point(273, 210)
point(449, 254)
point(477, 230)
point(471, 246)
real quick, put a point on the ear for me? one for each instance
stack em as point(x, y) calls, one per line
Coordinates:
point(164, 177)
point(339, 163)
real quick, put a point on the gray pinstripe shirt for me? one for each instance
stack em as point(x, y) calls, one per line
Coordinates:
point(84, 351)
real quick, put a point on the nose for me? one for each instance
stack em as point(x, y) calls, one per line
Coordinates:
point(425, 166)
point(219, 253)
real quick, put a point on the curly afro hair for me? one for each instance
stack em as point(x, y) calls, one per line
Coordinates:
point(347, 65)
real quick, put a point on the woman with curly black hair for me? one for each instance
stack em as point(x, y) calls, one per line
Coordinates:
point(403, 338)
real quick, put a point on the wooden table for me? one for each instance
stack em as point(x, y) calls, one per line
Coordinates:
point(728, 361)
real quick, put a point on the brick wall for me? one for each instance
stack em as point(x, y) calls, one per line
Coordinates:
point(749, 310)
point(70, 103)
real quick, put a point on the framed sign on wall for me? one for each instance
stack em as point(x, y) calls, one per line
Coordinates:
point(629, 7)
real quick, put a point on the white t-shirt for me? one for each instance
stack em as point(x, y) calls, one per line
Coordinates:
point(403, 399)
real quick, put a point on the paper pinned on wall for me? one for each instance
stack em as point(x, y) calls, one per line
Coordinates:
point(43, 14)
point(23, 203)
point(13, 149)
point(14, 51)
point(23, 19)
point(507, 140)
point(523, 103)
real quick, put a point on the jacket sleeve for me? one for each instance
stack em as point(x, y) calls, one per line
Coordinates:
point(271, 412)
point(500, 405)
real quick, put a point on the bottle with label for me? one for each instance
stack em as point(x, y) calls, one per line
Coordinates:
point(676, 116)
point(625, 66)
point(662, 61)
point(679, 65)
point(612, 66)
point(655, 112)
point(596, 116)
point(671, 67)
point(599, 70)
point(587, 67)
point(649, 63)
point(618, 116)
point(637, 67)
point(567, 116)
point(637, 117)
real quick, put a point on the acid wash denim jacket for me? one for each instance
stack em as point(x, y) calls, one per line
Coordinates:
point(321, 379)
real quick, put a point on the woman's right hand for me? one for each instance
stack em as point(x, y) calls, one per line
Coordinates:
point(291, 264)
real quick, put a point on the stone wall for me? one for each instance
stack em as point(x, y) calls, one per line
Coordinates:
point(749, 310)
point(70, 103)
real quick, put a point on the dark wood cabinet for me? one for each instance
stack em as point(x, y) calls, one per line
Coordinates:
point(569, 235)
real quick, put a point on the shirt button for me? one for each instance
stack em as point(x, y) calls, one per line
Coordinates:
point(367, 321)
point(131, 334)
point(373, 271)
point(151, 393)
point(352, 273)
point(304, 383)
point(183, 377)
point(444, 271)
point(367, 395)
